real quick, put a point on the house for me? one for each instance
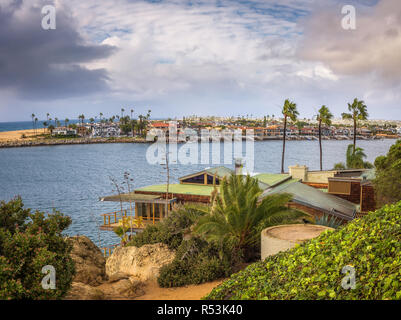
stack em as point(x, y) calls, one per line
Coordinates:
point(64, 131)
point(152, 203)
point(103, 130)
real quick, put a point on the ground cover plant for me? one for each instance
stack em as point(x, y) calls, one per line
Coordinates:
point(313, 270)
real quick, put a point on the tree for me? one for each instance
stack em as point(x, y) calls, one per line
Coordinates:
point(66, 122)
point(324, 116)
point(387, 183)
point(354, 159)
point(237, 215)
point(45, 124)
point(33, 122)
point(358, 111)
point(29, 242)
point(289, 111)
point(51, 128)
point(122, 112)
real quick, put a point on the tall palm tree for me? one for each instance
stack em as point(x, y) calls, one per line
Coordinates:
point(66, 122)
point(33, 122)
point(289, 111)
point(122, 112)
point(324, 116)
point(358, 111)
point(36, 120)
point(237, 214)
point(132, 112)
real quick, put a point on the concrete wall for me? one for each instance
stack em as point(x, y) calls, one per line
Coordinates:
point(271, 245)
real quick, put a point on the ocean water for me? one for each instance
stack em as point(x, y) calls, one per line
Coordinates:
point(72, 178)
point(25, 125)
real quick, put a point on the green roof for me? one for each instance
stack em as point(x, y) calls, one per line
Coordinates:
point(180, 189)
point(271, 179)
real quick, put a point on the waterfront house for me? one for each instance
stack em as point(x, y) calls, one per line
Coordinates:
point(64, 131)
point(152, 203)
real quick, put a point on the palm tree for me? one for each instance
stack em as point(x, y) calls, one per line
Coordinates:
point(289, 111)
point(36, 120)
point(33, 122)
point(132, 112)
point(122, 112)
point(237, 214)
point(358, 111)
point(66, 122)
point(355, 159)
point(45, 124)
point(324, 116)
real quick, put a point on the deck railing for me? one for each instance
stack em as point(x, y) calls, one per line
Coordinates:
point(113, 217)
point(107, 251)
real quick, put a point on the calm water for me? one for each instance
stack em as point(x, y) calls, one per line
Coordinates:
point(72, 178)
point(24, 125)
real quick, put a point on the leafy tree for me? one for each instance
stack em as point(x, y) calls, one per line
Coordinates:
point(28, 242)
point(358, 111)
point(354, 158)
point(237, 216)
point(289, 111)
point(387, 183)
point(324, 116)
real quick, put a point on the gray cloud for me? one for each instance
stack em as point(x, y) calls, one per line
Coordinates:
point(46, 64)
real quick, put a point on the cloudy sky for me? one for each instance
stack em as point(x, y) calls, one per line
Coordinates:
point(204, 57)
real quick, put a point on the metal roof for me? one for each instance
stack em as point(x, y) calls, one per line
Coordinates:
point(315, 198)
point(220, 172)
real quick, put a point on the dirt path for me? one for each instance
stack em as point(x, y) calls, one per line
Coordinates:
point(191, 292)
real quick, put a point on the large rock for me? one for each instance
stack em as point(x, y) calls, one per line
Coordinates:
point(89, 261)
point(142, 263)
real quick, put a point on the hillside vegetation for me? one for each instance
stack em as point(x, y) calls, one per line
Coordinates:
point(313, 270)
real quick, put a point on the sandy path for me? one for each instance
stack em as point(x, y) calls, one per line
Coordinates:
point(16, 135)
point(191, 292)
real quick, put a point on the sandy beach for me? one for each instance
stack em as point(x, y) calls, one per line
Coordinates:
point(16, 135)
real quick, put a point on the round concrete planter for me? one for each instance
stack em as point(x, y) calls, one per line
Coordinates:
point(281, 238)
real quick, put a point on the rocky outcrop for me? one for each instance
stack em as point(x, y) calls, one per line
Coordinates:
point(142, 263)
point(89, 261)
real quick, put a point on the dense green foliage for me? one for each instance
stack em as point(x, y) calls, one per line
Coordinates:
point(28, 242)
point(354, 159)
point(197, 261)
point(171, 230)
point(388, 176)
point(237, 215)
point(313, 270)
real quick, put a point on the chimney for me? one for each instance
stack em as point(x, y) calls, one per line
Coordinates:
point(299, 172)
point(238, 166)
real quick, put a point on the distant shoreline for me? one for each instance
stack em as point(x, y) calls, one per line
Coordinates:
point(13, 139)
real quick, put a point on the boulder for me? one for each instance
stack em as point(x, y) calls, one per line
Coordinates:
point(123, 288)
point(82, 291)
point(89, 261)
point(142, 263)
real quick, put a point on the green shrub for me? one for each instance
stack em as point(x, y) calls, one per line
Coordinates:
point(170, 231)
point(196, 261)
point(313, 270)
point(28, 242)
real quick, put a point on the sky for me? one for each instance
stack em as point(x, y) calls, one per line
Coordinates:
point(198, 57)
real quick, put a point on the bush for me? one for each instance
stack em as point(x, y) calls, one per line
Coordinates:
point(196, 261)
point(388, 176)
point(28, 242)
point(170, 231)
point(313, 270)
